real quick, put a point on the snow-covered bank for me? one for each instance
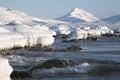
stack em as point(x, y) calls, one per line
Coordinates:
point(11, 40)
point(81, 32)
point(20, 29)
point(78, 34)
point(61, 29)
point(25, 35)
point(5, 69)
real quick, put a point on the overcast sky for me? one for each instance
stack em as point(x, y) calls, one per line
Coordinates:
point(56, 8)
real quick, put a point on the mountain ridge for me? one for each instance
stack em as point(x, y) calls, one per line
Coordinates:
point(10, 15)
point(112, 19)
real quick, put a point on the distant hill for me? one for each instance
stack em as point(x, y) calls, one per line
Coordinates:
point(78, 15)
point(113, 19)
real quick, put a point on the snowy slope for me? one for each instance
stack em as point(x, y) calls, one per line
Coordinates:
point(8, 15)
point(3, 30)
point(78, 15)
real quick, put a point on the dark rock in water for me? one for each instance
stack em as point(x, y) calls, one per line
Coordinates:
point(93, 39)
point(64, 36)
point(74, 48)
point(108, 35)
point(87, 39)
point(116, 34)
point(50, 64)
point(15, 74)
point(72, 40)
point(21, 74)
point(25, 74)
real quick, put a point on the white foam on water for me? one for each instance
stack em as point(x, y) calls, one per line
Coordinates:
point(78, 69)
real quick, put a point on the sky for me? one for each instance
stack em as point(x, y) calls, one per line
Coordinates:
point(56, 8)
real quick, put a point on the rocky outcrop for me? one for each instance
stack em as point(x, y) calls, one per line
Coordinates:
point(21, 74)
point(93, 39)
point(74, 48)
point(50, 64)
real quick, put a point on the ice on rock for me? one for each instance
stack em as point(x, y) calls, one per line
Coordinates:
point(61, 29)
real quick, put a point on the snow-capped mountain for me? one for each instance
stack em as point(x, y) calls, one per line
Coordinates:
point(78, 15)
point(113, 19)
point(8, 15)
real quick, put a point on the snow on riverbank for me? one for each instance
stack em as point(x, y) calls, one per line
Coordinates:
point(24, 35)
point(81, 32)
point(5, 69)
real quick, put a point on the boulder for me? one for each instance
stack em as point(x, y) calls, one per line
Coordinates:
point(74, 48)
point(50, 64)
point(93, 39)
point(21, 74)
point(108, 35)
point(72, 40)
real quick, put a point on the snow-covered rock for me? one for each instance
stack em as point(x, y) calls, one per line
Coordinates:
point(98, 30)
point(104, 29)
point(78, 15)
point(5, 69)
point(45, 41)
point(84, 32)
point(93, 32)
point(61, 29)
point(78, 34)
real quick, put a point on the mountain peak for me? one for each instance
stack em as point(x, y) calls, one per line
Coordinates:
point(78, 15)
point(77, 10)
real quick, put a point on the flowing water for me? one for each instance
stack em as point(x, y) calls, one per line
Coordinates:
point(99, 60)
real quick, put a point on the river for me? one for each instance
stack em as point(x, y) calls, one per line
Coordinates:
point(102, 59)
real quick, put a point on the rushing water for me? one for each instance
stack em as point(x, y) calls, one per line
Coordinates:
point(99, 60)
